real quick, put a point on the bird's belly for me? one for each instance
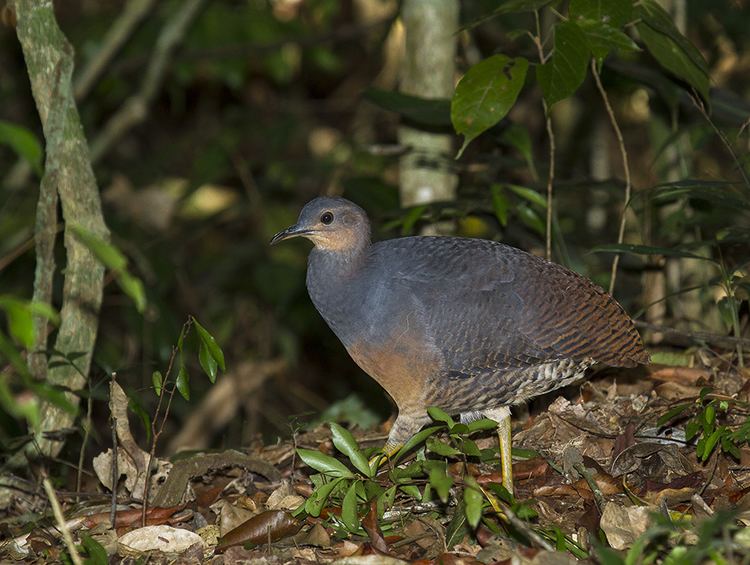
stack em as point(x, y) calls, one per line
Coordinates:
point(403, 367)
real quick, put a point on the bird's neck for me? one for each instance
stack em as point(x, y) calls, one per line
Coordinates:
point(333, 280)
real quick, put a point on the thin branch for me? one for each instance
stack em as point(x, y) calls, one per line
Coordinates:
point(551, 137)
point(135, 109)
point(86, 435)
point(116, 36)
point(115, 470)
point(697, 337)
point(625, 166)
point(60, 519)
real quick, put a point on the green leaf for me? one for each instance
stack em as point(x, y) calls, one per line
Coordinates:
point(485, 95)
point(520, 6)
point(671, 414)
point(499, 204)
point(323, 463)
point(133, 287)
point(615, 13)
point(710, 444)
point(691, 430)
point(439, 479)
point(208, 363)
point(410, 219)
point(349, 508)
point(529, 194)
point(96, 553)
point(23, 143)
point(318, 498)
point(710, 414)
point(441, 448)
point(156, 380)
point(414, 441)
point(433, 112)
point(183, 383)
point(473, 501)
point(345, 443)
point(602, 38)
point(481, 425)
point(20, 320)
point(670, 48)
point(530, 218)
point(440, 415)
point(468, 447)
point(107, 254)
point(213, 348)
point(564, 72)
point(411, 490)
point(457, 527)
point(646, 250)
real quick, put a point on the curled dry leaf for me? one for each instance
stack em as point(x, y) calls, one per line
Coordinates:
point(271, 525)
point(623, 524)
point(371, 526)
point(164, 539)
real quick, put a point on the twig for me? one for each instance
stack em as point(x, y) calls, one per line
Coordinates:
point(115, 470)
point(154, 432)
point(86, 435)
point(596, 491)
point(702, 109)
point(524, 528)
point(135, 109)
point(117, 35)
point(625, 166)
point(551, 137)
point(57, 511)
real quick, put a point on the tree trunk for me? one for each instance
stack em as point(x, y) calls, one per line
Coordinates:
point(68, 174)
point(428, 71)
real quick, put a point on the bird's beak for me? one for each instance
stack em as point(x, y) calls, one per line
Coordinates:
point(288, 233)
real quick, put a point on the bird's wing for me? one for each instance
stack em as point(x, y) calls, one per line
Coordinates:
point(492, 308)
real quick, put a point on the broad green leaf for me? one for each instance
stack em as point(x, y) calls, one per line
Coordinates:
point(29, 410)
point(20, 320)
point(529, 217)
point(133, 287)
point(602, 38)
point(499, 204)
point(411, 218)
point(386, 499)
point(440, 415)
point(564, 72)
point(315, 503)
point(691, 429)
point(23, 143)
point(711, 441)
point(482, 424)
point(670, 48)
point(345, 443)
point(468, 447)
point(156, 380)
point(646, 250)
point(710, 414)
point(213, 348)
point(411, 490)
point(414, 441)
point(672, 413)
point(473, 501)
point(615, 13)
point(457, 527)
point(97, 555)
point(324, 463)
point(421, 111)
point(485, 95)
point(349, 508)
point(440, 480)
point(208, 363)
point(441, 448)
point(529, 194)
point(183, 383)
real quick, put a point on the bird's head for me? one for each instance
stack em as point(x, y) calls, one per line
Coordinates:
point(332, 224)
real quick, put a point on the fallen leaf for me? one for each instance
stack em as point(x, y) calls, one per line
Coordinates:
point(371, 526)
point(165, 539)
point(623, 524)
point(271, 525)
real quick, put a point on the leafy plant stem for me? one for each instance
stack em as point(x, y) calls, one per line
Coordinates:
point(551, 135)
point(155, 433)
point(625, 166)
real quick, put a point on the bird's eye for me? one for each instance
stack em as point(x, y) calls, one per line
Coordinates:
point(326, 218)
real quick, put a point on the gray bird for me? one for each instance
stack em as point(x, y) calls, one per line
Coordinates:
point(468, 325)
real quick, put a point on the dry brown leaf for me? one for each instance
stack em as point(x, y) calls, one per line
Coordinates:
point(623, 524)
point(271, 525)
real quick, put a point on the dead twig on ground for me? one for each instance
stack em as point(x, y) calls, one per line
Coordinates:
point(60, 519)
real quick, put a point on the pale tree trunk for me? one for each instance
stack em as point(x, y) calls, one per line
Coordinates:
point(428, 71)
point(69, 176)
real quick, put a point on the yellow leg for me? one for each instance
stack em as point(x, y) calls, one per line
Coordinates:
point(502, 417)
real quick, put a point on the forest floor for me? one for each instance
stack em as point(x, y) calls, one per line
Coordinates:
point(649, 464)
